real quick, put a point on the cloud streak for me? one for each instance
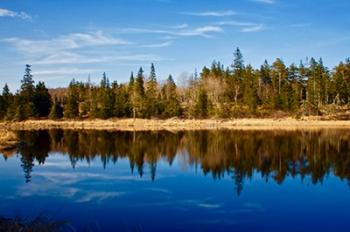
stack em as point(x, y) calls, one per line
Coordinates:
point(270, 2)
point(65, 42)
point(75, 58)
point(210, 13)
point(158, 45)
point(251, 29)
point(14, 14)
point(204, 31)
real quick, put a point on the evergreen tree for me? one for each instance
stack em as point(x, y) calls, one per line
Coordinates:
point(342, 83)
point(171, 104)
point(238, 62)
point(122, 104)
point(138, 95)
point(56, 111)
point(250, 84)
point(152, 94)
point(21, 111)
point(5, 101)
point(106, 98)
point(71, 108)
point(27, 94)
point(265, 89)
point(42, 100)
point(202, 105)
point(279, 75)
point(295, 88)
point(104, 82)
point(235, 82)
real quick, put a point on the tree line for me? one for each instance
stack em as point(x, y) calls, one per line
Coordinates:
point(239, 90)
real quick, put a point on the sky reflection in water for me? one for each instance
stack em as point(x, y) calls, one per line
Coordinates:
point(219, 180)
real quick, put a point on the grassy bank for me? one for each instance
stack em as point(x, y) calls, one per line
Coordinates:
point(177, 124)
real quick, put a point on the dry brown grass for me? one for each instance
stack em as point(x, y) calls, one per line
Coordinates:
point(178, 124)
point(8, 139)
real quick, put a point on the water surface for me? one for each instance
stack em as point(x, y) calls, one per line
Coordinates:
point(183, 181)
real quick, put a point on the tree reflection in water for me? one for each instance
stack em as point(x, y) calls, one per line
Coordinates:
point(273, 154)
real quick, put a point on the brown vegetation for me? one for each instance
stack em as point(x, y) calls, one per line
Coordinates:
point(176, 124)
point(8, 140)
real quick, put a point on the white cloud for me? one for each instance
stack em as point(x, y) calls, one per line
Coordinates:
point(13, 14)
point(265, 1)
point(209, 206)
point(158, 45)
point(203, 31)
point(256, 28)
point(75, 58)
point(98, 196)
point(236, 23)
point(243, 26)
point(65, 42)
point(181, 26)
point(66, 71)
point(211, 13)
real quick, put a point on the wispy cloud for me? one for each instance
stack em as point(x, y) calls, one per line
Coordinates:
point(256, 28)
point(200, 31)
point(76, 58)
point(265, 1)
point(81, 48)
point(54, 72)
point(180, 26)
point(158, 45)
point(204, 31)
point(98, 196)
point(14, 14)
point(210, 13)
point(209, 206)
point(65, 42)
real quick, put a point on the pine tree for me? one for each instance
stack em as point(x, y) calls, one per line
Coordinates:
point(265, 89)
point(106, 98)
point(235, 82)
point(21, 112)
point(56, 111)
point(5, 101)
point(295, 88)
point(279, 75)
point(171, 104)
point(250, 84)
point(27, 94)
point(238, 62)
point(152, 94)
point(202, 105)
point(42, 100)
point(342, 84)
point(71, 108)
point(138, 95)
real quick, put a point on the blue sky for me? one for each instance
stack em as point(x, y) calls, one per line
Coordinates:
point(65, 39)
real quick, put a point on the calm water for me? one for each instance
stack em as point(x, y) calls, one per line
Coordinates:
point(186, 181)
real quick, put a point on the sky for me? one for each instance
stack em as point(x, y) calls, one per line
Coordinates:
point(69, 39)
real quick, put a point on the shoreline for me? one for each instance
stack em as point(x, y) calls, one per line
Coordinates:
point(8, 140)
point(178, 124)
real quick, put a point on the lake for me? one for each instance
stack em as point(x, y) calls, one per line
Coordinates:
point(180, 181)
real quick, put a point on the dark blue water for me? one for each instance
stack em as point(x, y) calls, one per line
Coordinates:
point(185, 181)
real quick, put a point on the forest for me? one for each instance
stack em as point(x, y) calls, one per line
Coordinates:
point(236, 91)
